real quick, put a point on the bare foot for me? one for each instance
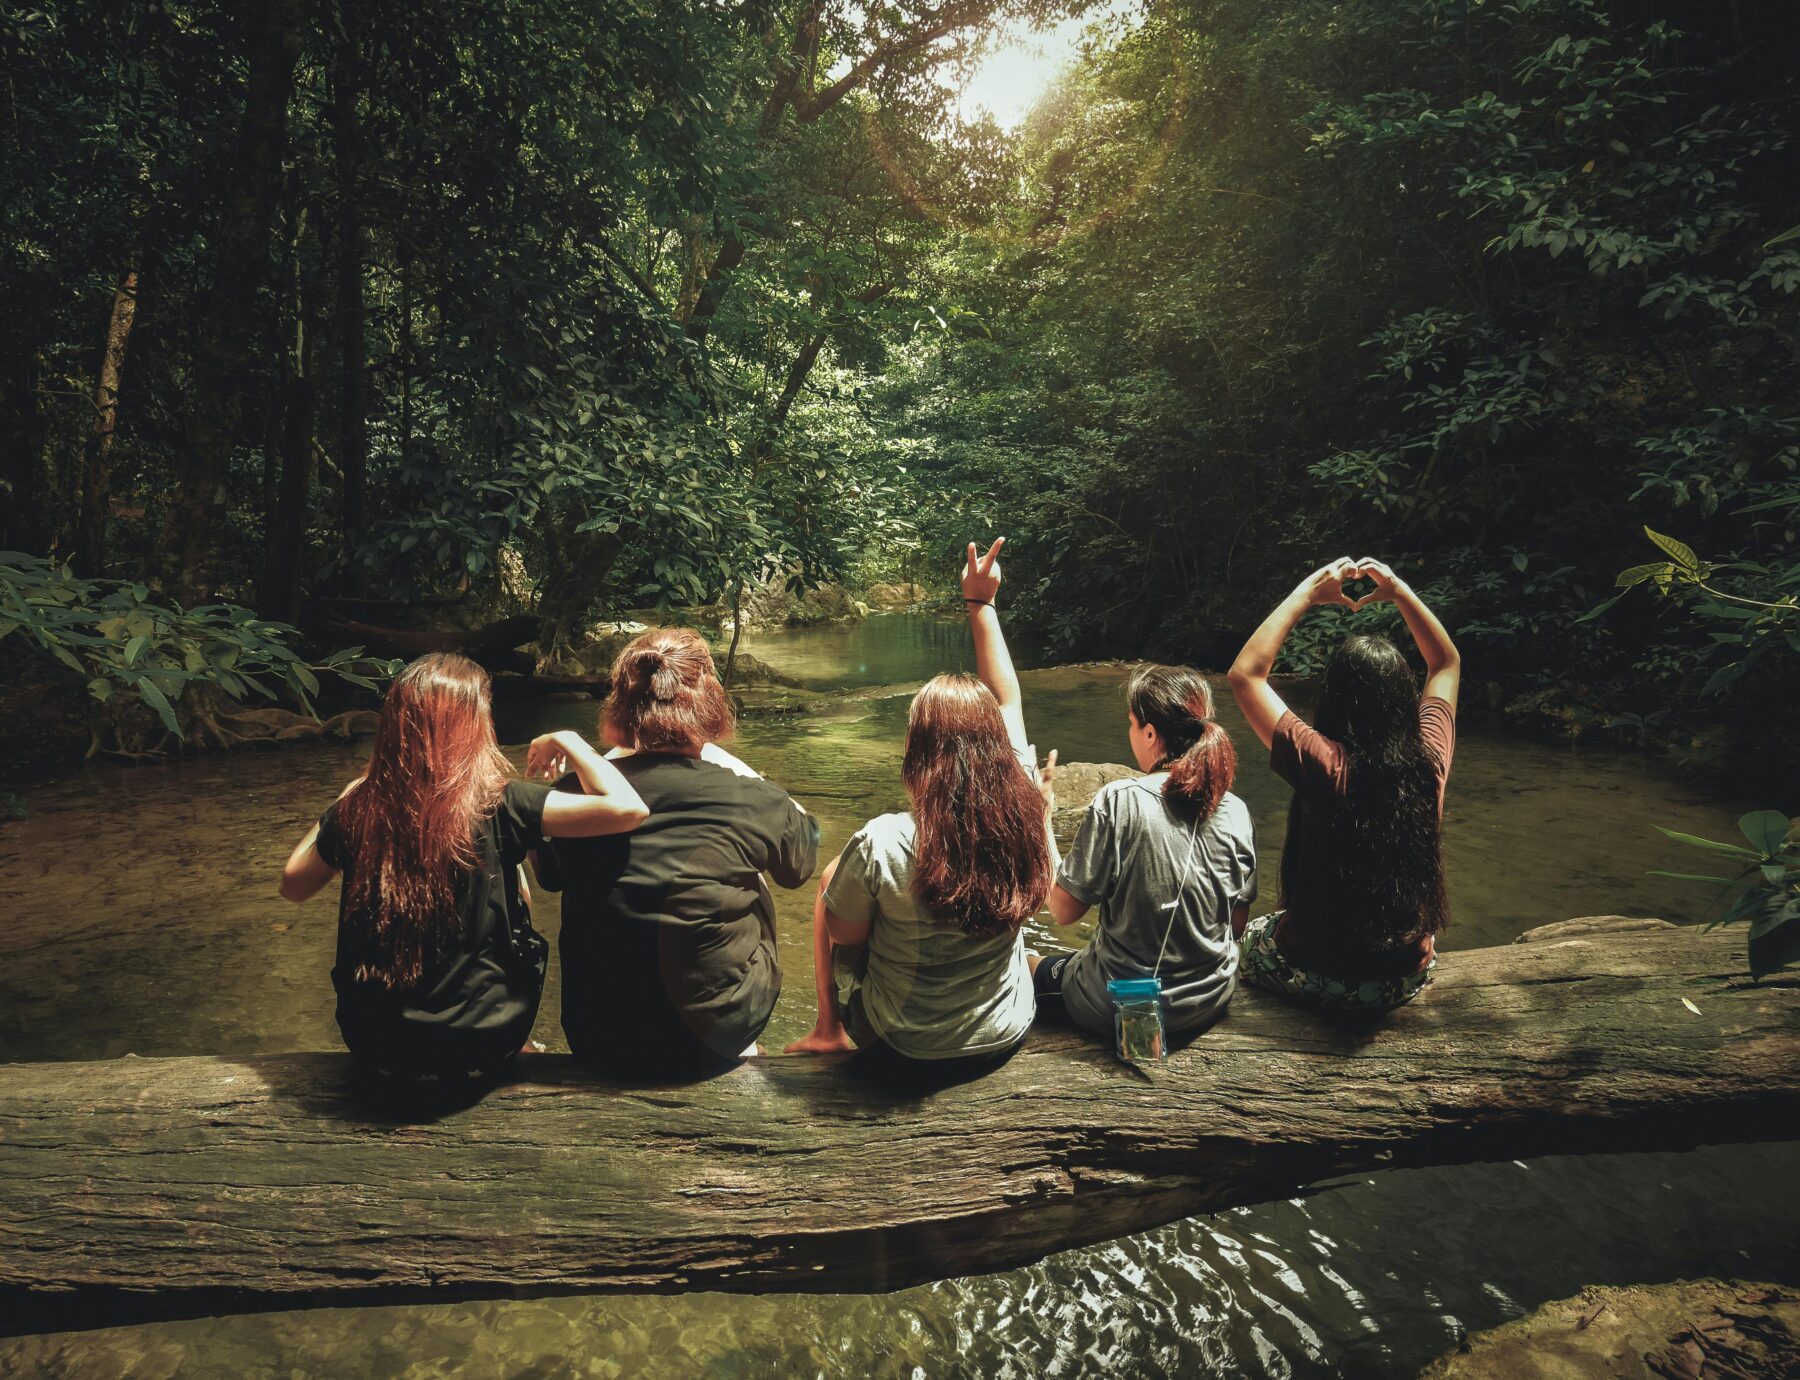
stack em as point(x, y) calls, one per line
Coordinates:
point(822, 1042)
point(531, 1047)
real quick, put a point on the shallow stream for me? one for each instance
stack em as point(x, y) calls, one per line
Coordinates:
point(142, 917)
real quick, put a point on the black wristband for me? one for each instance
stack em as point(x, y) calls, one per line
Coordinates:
point(985, 603)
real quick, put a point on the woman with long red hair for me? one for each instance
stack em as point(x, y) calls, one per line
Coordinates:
point(916, 932)
point(438, 968)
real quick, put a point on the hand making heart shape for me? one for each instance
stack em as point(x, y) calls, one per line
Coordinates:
point(1327, 584)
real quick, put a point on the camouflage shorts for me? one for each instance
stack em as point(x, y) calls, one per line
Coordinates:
point(1261, 965)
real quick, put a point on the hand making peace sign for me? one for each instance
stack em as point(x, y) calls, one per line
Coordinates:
point(981, 576)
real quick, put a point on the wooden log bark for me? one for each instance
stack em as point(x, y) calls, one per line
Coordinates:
point(157, 1186)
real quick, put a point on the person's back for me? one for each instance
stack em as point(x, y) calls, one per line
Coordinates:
point(918, 958)
point(1166, 887)
point(927, 987)
point(668, 937)
point(1362, 875)
point(438, 967)
point(1168, 857)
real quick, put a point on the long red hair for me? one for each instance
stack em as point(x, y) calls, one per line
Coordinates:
point(983, 847)
point(409, 825)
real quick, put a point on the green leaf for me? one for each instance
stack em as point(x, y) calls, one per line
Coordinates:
point(160, 703)
point(1695, 877)
point(1730, 849)
point(100, 688)
point(1767, 830)
point(133, 647)
point(1681, 552)
point(1637, 574)
point(1775, 943)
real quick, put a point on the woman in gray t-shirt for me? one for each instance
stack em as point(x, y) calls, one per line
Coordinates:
point(916, 947)
point(1168, 857)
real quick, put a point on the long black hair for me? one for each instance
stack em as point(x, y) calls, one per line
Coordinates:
point(1376, 851)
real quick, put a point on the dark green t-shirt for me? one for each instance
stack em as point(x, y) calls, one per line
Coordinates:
point(476, 1003)
point(668, 932)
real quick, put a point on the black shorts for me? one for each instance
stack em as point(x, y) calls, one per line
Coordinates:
point(1047, 981)
point(1046, 985)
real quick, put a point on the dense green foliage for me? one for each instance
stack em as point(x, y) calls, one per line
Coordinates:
point(121, 640)
point(1765, 889)
point(587, 306)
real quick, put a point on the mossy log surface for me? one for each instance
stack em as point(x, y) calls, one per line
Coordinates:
point(154, 1187)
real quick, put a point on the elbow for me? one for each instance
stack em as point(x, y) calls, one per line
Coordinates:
point(293, 889)
point(634, 815)
point(1240, 676)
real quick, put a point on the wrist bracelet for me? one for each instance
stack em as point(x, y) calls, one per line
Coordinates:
point(985, 603)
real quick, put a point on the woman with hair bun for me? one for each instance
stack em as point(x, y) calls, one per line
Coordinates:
point(1170, 860)
point(438, 968)
point(917, 954)
point(669, 963)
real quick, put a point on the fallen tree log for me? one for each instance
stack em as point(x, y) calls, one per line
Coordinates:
point(154, 1187)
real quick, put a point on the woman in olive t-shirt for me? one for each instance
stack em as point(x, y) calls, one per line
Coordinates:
point(438, 968)
point(1362, 878)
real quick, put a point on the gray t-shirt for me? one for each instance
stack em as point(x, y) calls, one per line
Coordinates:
point(929, 990)
point(1131, 858)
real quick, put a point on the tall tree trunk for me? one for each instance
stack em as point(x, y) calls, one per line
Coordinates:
point(23, 481)
point(96, 469)
point(796, 378)
point(737, 629)
point(406, 357)
point(353, 448)
point(278, 589)
point(226, 325)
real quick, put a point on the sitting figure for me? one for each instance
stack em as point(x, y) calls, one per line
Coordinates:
point(1362, 881)
point(916, 933)
point(438, 968)
point(1170, 859)
point(669, 966)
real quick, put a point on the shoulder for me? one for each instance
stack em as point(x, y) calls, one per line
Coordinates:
point(1233, 817)
point(887, 833)
point(531, 795)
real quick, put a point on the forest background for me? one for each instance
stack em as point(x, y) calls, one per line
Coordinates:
point(582, 306)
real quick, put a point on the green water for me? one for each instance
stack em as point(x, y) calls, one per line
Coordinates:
point(142, 917)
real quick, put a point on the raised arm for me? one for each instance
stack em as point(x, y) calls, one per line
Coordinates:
point(1443, 663)
point(1250, 672)
point(608, 805)
point(993, 663)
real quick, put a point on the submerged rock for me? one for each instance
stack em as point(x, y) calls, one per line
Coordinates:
point(1683, 1331)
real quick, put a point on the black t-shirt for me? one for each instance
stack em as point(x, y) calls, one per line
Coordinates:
point(475, 1004)
point(668, 932)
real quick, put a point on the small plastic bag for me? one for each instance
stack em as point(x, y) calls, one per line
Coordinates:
point(1138, 1036)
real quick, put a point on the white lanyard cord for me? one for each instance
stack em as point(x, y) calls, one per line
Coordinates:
point(1174, 907)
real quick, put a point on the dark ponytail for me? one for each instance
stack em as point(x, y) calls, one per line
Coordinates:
point(1178, 703)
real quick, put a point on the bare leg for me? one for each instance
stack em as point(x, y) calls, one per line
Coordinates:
point(828, 1031)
